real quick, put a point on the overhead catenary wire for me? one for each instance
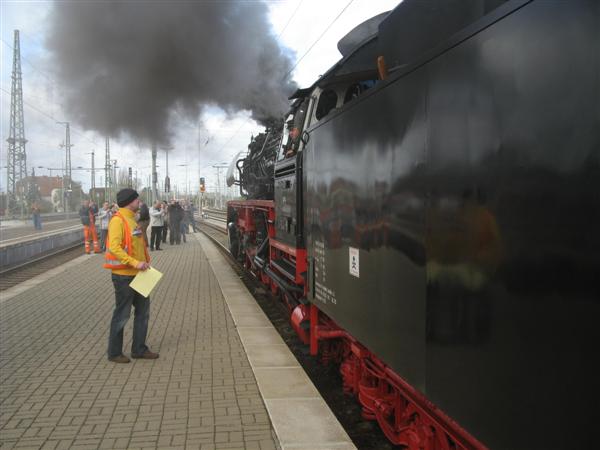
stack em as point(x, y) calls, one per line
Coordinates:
point(320, 37)
point(279, 35)
point(290, 19)
point(49, 78)
point(51, 117)
point(237, 131)
point(31, 64)
point(302, 57)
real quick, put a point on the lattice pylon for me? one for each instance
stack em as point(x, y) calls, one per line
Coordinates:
point(16, 157)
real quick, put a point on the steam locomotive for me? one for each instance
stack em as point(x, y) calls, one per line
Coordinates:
point(429, 212)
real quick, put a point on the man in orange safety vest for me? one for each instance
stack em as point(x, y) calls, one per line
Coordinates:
point(126, 255)
point(87, 214)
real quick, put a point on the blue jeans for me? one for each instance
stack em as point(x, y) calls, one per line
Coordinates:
point(124, 298)
point(103, 236)
point(37, 222)
point(183, 229)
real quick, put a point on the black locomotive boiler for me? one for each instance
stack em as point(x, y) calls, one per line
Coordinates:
point(429, 211)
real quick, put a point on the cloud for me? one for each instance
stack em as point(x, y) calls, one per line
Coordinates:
point(125, 67)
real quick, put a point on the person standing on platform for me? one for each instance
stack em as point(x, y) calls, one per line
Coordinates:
point(127, 254)
point(36, 216)
point(104, 218)
point(144, 219)
point(157, 216)
point(184, 227)
point(87, 214)
point(192, 211)
point(165, 222)
point(175, 218)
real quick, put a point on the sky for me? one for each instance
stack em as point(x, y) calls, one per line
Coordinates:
point(313, 26)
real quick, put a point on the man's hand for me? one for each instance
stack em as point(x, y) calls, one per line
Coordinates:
point(143, 266)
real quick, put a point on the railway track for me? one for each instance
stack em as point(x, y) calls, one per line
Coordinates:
point(365, 434)
point(216, 232)
point(14, 275)
point(215, 215)
point(219, 212)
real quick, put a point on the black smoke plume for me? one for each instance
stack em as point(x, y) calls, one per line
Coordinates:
point(126, 65)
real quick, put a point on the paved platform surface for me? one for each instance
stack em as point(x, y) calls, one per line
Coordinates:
point(58, 391)
point(301, 418)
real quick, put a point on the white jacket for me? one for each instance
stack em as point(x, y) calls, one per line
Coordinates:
point(157, 217)
point(104, 216)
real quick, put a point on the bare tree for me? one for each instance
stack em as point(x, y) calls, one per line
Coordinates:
point(122, 179)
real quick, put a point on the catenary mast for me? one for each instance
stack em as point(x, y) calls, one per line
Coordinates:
point(16, 158)
point(107, 173)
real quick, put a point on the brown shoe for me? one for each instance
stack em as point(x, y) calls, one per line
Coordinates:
point(146, 355)
point(121, 359)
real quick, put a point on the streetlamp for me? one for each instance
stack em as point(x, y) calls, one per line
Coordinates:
point(93, 177)
point(67, 145)
point(220, 166)
point(114, 176)
point(167, 180)
point(93, 170)
point(186, 180)
point(202, 143)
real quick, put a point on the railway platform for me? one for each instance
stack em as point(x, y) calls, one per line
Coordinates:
point(20, 244)
point(224, 379)
point(23, 230)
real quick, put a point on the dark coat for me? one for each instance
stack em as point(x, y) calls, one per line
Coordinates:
point(87, 215)
point(144, 212)
point(176, 214)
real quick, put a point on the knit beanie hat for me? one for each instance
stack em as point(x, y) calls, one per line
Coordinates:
point(126, 196)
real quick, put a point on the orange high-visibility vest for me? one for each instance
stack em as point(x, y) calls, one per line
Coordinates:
point(111, 261)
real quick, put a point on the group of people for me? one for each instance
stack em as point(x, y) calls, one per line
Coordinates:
point(91, 217)
point(173, 219)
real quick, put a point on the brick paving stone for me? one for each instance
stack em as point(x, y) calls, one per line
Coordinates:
point(58, 391)
point(49, 445)
point(230, 445)
point(107, 443)
point(30, 443)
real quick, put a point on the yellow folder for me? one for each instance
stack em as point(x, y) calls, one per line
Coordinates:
point(145, 281)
